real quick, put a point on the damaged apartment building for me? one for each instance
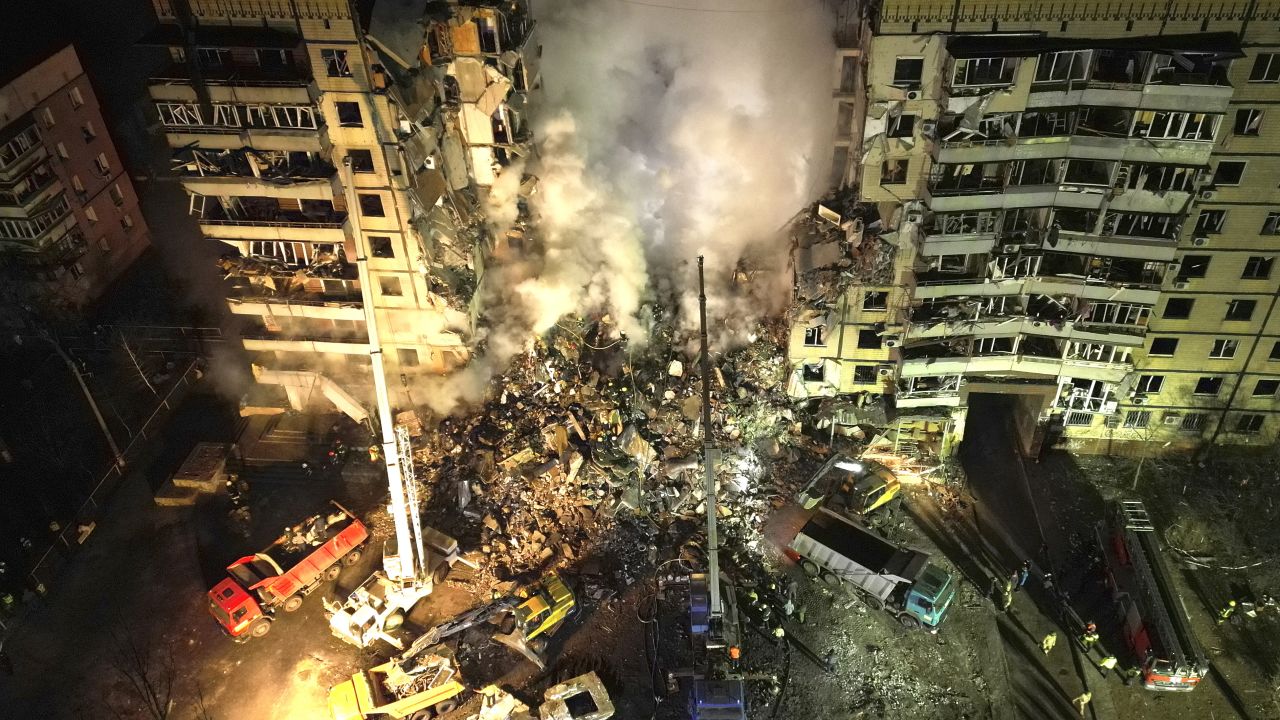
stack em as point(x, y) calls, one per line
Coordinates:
point(1077, 204)
point(69, 219)
point(342, 162)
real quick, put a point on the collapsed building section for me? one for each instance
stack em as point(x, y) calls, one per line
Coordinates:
point(345, 173)
point(1030, 197)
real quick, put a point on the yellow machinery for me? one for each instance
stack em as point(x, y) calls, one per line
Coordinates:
point(546, 605)
point(417, 685)
point(861, 489)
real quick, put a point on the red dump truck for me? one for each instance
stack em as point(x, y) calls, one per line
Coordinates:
point(308, 553)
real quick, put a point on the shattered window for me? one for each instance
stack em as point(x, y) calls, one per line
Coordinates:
point(1210, 222)
point(408, 357)
point(984, 71)
point(902, 126)
point(1164, 347)
point(893, 172)
point(875, 300)
point(1208, 386)
point(1266, 388)
point(349, 114)
point(1149, 384)
point(272, 58)
point(815, 336)
point(361, 161)
point(1178, 308)
point(214, 57)
point(1241, 309)
point(1193, 266)
point(294, 116)
point(1249, 424)
point(1248, 122)
point(1228, 172)
point(1266, 68)
point(390, 286)
point(907, 72)
point(1271, 225)
point(1062, 66)
point(380, 245)
point(869, 339)
point(1257, 268)
point(335, 62)
point(371, 205)
point(812, 372)
point(1223, 349)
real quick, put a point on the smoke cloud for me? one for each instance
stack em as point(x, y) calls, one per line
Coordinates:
point(663, 134)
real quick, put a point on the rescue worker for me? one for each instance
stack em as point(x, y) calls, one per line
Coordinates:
point(1082, 701)
point(1129, 674)
point(1049, 641)
point(375, 453)
point(1024, 573)
point(1007, 598)
point(1089, 637)
point(1227, 610)
point(1107, 664)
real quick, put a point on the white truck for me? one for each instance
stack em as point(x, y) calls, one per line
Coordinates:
point(894, 578)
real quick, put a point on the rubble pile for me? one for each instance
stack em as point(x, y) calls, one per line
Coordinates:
point(586, 449)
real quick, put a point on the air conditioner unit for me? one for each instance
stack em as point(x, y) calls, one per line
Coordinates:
point(915, 217)
point(893, 342)
point(913, 94)
point(1208, 194)
point(1010, 248)
point(885, 370)
point(1112, 421)
point(1172, 418)
point(1199, 241)
point(1181, 285)
point(929, 128)
point(1138, 400)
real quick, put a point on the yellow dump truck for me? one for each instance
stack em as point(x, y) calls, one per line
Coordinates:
point(420, 686)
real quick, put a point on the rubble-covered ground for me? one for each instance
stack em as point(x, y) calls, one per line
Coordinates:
point(586, 459)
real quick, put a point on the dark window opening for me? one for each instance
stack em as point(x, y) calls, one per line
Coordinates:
point(1241, 309)
point(1208, 386)
point(361, 160)
point(380, 245)
point(1163, 346)
point(869, 340)
point(371, 206)
point(349, 114)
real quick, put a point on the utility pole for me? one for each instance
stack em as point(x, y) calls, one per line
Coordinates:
point(88, 396)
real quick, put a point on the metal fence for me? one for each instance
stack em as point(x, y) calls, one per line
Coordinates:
point(82, 525)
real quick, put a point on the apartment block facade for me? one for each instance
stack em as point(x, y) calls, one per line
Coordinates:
point(1080, 204)
point(69, 217)
point(344, 169)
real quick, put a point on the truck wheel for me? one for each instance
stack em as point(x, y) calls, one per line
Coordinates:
point(351, 558)
point(908, 622)
point(441, 573)
point(810, 568)
point(332, 572)
point(393, 621)
point(423, 714)
point(873, 602)
point(260, 628)
point(293, 603)
point(830, 580)
point(445, 707)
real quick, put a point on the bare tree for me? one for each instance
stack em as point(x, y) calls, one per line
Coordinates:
point(149, 670)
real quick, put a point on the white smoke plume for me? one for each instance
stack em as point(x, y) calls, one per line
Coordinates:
point(709, 126)
point(663, 134)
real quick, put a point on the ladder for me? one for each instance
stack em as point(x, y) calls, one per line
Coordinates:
point(1135, 516)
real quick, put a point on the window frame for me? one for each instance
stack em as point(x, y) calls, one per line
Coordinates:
point(1248, 122)
point(1236, 305)
point(1221, 345)
point(1275, 387)
point(348, 122)
point(1244, 165)
point(1210, 221)
point(1213, 380)
point(1269, 64)
point(907, 82)
point(1149, 384)
point(1152, 352)
point(336, 64)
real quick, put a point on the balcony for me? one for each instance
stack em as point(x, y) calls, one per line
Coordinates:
point(20, 148)
point(1027, 366)
point(61, 252)
point(264, 219)
point(286, 85)
point(1125, 336)
point(336, 343)
point(34, 189)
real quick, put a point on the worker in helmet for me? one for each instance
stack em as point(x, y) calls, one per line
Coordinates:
point(1227, 611)
point(1107, 664)
point(1089, 637)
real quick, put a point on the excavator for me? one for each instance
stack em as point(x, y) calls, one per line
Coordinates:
point(860, 489)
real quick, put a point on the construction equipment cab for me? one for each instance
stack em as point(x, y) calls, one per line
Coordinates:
point(546, 605)
point(307, 554)
point(421, 685)
point(858, 488)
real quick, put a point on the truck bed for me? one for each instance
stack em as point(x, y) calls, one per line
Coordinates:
point(857, 554)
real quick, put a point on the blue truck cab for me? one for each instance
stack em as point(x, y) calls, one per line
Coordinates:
point(930, 596)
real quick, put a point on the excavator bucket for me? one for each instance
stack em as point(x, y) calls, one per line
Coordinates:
point(517, 641)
